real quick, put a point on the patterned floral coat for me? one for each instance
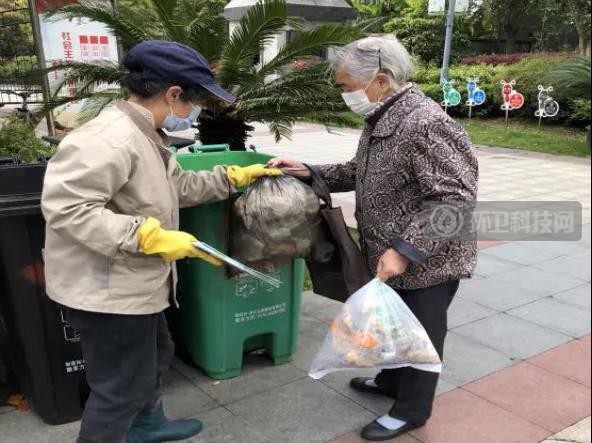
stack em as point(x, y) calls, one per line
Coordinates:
point(411, 156)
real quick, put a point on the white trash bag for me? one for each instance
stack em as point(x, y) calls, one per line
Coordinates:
point(375, 329)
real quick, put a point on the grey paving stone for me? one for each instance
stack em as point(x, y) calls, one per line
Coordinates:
point(559, 248)
point(26, 427)
point(312, 327)
point(524, 253)
point(378, 404)
point(585, 257)
point(586, 236)
point(466, 360)
point(557, 315)
point(189, 371)
point(575, 266)
point(579, 296)
point(495, 294)
point(512, 336)
point(339, 381)
point(308, 347)
point(444, 386)
point(489, 265)
point(319, 307)
point(258, 375)
point(304, 411)
point(463, 311)
point(540, 282)
point(182, 398)
point(220, 426)
point(6, 409)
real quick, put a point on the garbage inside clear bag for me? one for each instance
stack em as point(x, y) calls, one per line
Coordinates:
point(277, 217)
point(375, 329)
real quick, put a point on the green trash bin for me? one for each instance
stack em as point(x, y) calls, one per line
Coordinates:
point(221, 317)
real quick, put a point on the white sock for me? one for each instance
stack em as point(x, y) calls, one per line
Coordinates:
point(392, 424)
point(371, 383)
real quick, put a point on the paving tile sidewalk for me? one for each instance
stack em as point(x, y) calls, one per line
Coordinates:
point(517, 359)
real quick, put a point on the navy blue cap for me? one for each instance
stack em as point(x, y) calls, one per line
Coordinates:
point(174, 63)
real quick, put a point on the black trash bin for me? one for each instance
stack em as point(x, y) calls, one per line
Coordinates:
point(45, 353)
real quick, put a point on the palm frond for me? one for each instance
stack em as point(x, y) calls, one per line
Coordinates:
point(279, 93)
point(340, 120)
point(572, 78)
point(309, 82)
point(372, 25)
point(91, 73)
point(207, 34)
point(96, 103)
point(281, 128)
point(57, 102)
point(127, 31)
point(306, 43)
point(270, 108)
point(256, 28)
point(168, 19)
point(77, 72)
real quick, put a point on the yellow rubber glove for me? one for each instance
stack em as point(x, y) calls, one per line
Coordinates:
point(243, 177)
point(171, 245)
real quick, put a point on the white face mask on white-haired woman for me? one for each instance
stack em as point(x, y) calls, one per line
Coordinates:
point(359, 102)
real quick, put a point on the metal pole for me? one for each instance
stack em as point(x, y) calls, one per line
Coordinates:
point(448, 40)
point(41, 61)
point(470, 113)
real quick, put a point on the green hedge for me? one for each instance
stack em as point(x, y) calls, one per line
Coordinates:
point(528, 73)
point(18, 140)
point(17, 66)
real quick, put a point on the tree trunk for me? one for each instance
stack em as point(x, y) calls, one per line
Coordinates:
point(582, 43)
point(579, 11)
point(511, 37)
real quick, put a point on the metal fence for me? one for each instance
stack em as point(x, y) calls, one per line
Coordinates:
point(17, 53)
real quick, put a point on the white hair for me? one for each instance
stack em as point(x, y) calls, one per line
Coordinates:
point(365, 58)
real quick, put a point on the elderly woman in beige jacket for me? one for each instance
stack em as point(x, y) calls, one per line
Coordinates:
point(111, 200)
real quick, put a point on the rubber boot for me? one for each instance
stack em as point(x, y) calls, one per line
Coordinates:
point(156, 428)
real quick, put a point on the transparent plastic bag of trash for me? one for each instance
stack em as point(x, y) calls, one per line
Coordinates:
point(278, 218)
point(375, 329)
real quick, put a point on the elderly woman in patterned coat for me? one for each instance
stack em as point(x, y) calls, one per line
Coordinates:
point(412, 158)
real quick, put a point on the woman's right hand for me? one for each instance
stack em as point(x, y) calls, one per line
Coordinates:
point(290, 167)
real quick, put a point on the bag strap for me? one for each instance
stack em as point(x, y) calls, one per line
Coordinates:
point(319, 186)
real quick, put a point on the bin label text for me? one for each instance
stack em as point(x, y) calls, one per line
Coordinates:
point(74, 366)
point(257, 314)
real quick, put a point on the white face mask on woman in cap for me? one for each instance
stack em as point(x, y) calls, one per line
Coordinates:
point(173, 123)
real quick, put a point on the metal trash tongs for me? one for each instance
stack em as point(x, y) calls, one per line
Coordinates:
point(237, 265)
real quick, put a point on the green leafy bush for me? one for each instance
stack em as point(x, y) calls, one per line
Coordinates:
point(18, 65)
point(573, 77)
point(579, 112)
point(18, 140)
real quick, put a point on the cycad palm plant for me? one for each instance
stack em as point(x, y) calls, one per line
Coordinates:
point(572, 78)
point(290, 86)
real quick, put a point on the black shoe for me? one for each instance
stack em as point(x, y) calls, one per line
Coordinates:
point(376, 432)
point(359, 384)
